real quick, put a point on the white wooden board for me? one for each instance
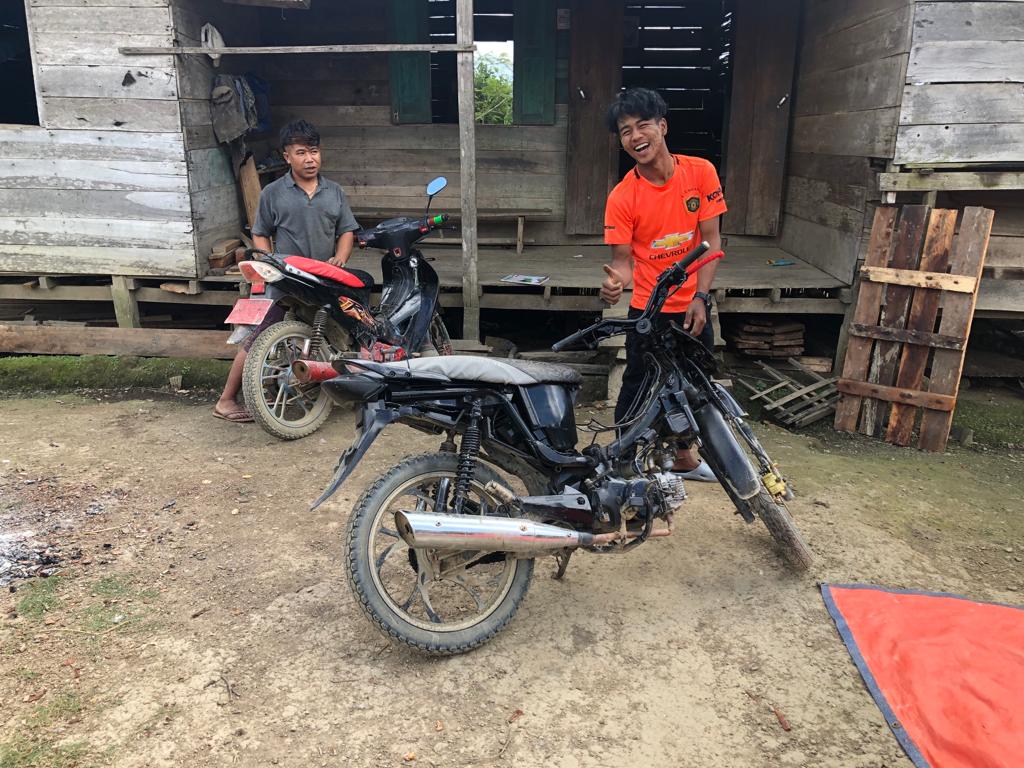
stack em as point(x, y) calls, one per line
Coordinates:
point(138, 115)
point(77, 260)
point(121, 233)
point(91, 174)
point(32, 143)
point(117, 82)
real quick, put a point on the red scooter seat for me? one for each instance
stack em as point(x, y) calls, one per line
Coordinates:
point(323, 269)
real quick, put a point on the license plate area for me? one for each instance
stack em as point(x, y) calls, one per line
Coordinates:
point(249, 311)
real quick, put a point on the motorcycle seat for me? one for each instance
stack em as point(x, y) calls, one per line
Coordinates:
point(322, 269)
point(487, 370)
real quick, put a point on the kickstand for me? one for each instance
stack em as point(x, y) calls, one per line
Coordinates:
point(562, 558)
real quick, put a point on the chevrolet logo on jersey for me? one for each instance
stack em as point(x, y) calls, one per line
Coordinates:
point(672, 241)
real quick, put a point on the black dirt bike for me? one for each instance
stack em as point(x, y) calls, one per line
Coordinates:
point(326, 314)
point(440, 550)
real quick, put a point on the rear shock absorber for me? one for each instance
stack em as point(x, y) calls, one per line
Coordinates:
point(467, 458)
point(317, 337)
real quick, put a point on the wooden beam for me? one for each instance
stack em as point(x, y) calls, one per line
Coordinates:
point(924, 338)
point(293, 49)
point(950, 182)
point(919, 279)
point(144, 342)
point(896, 395)
point(467, 165)
point(126, 306)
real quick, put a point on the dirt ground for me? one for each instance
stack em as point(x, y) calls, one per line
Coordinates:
point(201, 617)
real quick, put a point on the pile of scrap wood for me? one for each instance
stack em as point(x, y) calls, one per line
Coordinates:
point(767, 337)
point(794, 402)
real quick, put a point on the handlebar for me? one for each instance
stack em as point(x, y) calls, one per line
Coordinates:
point(675, 276)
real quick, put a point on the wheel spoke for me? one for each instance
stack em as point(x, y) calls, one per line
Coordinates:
point(421, 587)
point(392, 549)
point(474, 594)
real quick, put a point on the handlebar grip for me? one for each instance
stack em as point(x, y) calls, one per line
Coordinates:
point(705, 261)
point(568, 341)
point(693, 255)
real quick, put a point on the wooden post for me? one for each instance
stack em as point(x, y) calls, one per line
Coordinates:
point(126, 308)
point(467, 154)
point(249, 180)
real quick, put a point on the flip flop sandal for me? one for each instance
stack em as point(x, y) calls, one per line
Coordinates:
point(236, 417)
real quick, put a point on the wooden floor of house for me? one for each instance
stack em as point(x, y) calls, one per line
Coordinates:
point(745, 282)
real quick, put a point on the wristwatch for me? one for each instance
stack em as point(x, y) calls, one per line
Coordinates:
point(705, 297)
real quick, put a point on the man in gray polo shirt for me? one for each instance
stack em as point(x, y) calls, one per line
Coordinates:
point(307, 215)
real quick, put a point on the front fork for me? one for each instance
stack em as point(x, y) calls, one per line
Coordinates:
point(772, 478)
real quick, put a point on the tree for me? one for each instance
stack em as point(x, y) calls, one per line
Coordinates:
point(493, 89)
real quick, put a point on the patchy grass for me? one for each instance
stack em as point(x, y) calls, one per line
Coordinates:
point(35, 746)
point(64, 706)
point(40, 598)
point(63, 373)
point(25, 674)
point(113, 586)
point(996, 416)
point(22, 752)
point(123, 603)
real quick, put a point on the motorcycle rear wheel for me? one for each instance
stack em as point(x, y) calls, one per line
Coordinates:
point(439, 614)
point(281, 406)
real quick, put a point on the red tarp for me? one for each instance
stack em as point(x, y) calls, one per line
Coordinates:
point(947, 672)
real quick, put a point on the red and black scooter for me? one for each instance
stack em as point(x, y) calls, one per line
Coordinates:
point(326, 314)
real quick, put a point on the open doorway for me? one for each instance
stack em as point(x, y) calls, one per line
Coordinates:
point(684, 52)
point(17, 87)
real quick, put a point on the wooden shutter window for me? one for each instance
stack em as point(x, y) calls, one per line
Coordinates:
point(533, 68)
point(409, 73)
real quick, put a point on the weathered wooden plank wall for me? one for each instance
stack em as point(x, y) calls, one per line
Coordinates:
point(100, 187)
point(217, 210)
point(385, 167)
point(853, 60)
point(964, 93)
point(963, 103)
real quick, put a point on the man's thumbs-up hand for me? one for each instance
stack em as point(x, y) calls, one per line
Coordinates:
point(611, 288)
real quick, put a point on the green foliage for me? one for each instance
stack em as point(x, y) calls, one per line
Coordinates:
point(493, 89)
point(64, 373)
point(40, 597)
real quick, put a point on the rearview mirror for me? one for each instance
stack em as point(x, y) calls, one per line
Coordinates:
point(436, 185)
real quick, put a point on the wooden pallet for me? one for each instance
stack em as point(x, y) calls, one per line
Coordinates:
point(795, 403)
point(911, 267)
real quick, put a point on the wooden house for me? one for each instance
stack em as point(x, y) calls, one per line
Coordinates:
point(815, 111)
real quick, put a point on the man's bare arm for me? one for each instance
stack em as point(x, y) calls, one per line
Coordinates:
point(261, 243)
point(343, 250)
point(710, 230)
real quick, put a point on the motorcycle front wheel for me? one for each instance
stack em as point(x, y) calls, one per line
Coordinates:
point(284, 408)
point(438, 602)
point(770, 509)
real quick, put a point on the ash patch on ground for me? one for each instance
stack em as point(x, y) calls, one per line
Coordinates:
point(39, 517)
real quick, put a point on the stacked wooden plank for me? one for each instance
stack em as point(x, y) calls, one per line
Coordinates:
point(768, 337)
point(792, 402)
point(911, 268)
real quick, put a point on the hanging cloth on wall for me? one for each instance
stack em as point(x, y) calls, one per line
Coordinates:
point(232, 107)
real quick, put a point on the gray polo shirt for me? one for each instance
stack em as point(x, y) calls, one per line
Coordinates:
point(303, 225)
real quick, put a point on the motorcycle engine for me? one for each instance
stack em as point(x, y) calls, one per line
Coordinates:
point(617, 499)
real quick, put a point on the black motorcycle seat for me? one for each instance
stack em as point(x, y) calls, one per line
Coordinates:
point(487, 370)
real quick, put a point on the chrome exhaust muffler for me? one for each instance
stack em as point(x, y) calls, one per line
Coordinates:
point(485, 534)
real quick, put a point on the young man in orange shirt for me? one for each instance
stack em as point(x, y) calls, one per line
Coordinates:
point(662, 209)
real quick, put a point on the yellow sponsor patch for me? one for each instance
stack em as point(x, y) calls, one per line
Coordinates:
point(672, 241)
